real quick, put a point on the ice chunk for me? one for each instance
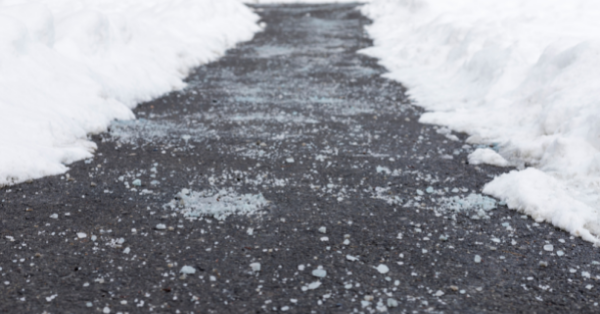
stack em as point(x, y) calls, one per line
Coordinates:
point(323, 230)
point(477, 259)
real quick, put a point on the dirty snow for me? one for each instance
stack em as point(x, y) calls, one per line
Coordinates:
point(521, 76)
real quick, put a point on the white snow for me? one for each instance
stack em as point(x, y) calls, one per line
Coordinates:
point(521, 76)
point(69, 67)
point(487, 156)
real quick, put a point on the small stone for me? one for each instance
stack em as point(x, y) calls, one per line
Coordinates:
point(319, 273)
point(589, 287)
point(382, 269)
point(454, 288)
point(81, 235)
point(392, 302)
point(137, 182)
point(439, 293)
point(106, 310)
point(560, 253)
point(188, 270)
point(54, 216)
point(160, 227)
point(429, 190)
point(543, 264)
point(324, 239)
point(549, 247)
point(285, 308)
point(443, 237)
point(323, 229)
point(89, 304)
point(301, 267)
point(127, 250)
point(368, 298)
point(477, 259)
point(346, 242)
point(289, 160)
point(255, 267)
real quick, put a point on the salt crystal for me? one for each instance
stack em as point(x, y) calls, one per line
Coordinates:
point(314, 285)
point(351, 258)
point(382, 269)
point(392, 302)
point(255, 267)
point(320, 273)
point(188, 270)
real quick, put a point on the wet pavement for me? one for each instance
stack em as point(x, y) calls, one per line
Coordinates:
point(288, 177)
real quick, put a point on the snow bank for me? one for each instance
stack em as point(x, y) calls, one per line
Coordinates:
point(69, 67)
point(521, 75)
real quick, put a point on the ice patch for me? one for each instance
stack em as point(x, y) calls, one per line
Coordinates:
point(218, 204)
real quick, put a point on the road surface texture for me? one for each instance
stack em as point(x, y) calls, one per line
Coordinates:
point(288, 176)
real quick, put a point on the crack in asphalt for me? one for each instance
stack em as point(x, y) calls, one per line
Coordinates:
point(288, 176)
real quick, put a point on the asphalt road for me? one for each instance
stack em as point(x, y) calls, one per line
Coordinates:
point(286, 134)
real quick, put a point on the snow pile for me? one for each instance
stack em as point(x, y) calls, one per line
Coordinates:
point(69, 67)
point(523, 76)
point(217, 204)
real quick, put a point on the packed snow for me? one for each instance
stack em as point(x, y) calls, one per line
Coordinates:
point(69, 67)
point(520, 76)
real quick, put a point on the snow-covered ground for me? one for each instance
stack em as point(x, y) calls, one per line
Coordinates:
point(69, 67)
point(522, 77)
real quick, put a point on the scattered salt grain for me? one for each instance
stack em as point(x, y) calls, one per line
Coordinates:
point(255, 267)
point(382, 269)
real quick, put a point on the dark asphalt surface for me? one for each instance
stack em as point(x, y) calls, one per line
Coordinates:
point(299, 123)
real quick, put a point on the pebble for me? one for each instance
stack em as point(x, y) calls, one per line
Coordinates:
point(319, 273)
point(454, 288)
point(160, 227)
point(549, 247)
point(323, 230)
point(81, 235)
point(285, 308)
point(89, 304)
point(289, 160)
point(255, 267)
point(106, 310)
point(477, 259)
point(439, 293)
point(382, 269)
point(189, 270)
point(127, 250)
point(543, 264)
point(346, 242)
point(560, 253)
point(137, 182)
point(324, 239)
point(368, 298)
point(54, 216)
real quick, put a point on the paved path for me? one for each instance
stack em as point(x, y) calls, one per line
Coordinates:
point(288, 133)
